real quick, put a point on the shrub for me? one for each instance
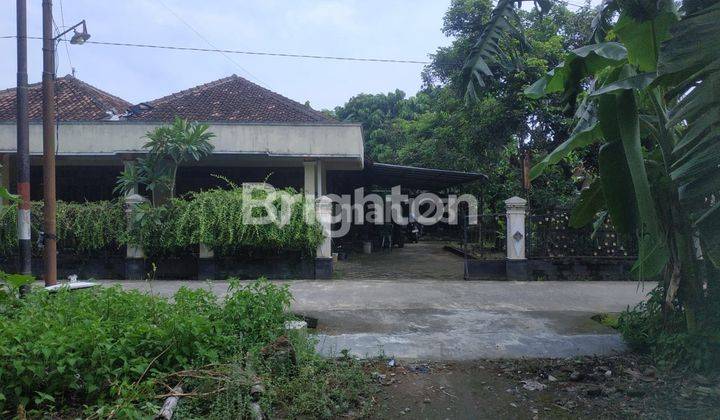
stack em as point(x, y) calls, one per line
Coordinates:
point(82, 228)
point(345, 385)
point(213, 217)
point(664, 335)
point(108, 346)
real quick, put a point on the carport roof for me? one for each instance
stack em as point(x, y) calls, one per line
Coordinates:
point(385, 174)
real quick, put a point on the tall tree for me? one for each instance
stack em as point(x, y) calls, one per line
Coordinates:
point(435, 128)
point(645, 89)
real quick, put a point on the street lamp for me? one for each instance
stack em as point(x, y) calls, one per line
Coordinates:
point(48, 84)
point(78, 38)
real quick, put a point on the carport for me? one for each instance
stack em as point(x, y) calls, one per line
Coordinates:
point(427, 259)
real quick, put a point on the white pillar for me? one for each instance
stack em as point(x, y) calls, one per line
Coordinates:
point(131, 202)
point(310, 185)
point(515, 214)
point(4, 174)
point(205, 252)
point(323, 212)
point(320, 188)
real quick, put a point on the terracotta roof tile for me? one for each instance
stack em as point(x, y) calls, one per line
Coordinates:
point(231, 99)
point(75, 101)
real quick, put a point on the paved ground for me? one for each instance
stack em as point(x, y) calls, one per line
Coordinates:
point(424, 260)
point(453, 320)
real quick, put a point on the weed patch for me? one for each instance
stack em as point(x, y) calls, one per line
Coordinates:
point(113, 352)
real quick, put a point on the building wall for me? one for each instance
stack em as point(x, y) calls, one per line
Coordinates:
point(341, 142)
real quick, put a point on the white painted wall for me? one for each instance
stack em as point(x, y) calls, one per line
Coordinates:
point(341, 141)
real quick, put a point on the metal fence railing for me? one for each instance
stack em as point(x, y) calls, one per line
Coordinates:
point(486, 238)
point(550, 236)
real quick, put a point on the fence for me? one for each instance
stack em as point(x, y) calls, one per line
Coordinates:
point(518, 246)
point(487, 238)
point(550, 236)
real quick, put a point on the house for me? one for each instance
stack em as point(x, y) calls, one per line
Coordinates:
point(259, 135)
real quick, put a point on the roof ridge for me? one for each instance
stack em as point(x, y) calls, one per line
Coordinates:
point(12, 89)
point(293, 103)
point(307, 111)
point(185, 92)
point(97, 93)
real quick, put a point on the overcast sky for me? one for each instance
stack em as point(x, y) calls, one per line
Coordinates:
point(408, 29)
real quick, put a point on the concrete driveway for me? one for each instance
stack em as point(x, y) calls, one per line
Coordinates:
point(424, 260)
point(453, 320)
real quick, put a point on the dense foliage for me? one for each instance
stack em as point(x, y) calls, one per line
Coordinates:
point(211, 217)
point(108, 352)
point(436, 129)
point(650, 328)
point(215, 218)
point(102, 340)
point(644, 89)
point(82, 228)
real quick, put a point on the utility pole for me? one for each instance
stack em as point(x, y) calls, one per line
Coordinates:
point(23, 142)
point(48, 86)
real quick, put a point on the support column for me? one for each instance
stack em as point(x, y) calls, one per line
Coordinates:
point(207, 269)
point(516, 263)
point(134, 254)
point(320, 187)
point(310, 185)
point(323, 256)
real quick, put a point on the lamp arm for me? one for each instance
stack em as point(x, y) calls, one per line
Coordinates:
point(82, 22)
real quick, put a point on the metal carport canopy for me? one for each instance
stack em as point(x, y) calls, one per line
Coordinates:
point(384, 174)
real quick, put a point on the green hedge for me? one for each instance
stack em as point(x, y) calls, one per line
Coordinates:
point(213, 217)
point(82, 228)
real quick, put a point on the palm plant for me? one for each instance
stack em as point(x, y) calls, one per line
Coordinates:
point(647, 89)
point(168, 147)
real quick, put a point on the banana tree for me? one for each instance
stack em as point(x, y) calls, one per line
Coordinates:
point(647, 89)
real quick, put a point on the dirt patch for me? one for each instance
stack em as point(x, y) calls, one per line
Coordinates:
point(608, 387)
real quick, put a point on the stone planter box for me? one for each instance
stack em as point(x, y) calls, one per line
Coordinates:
point(94, 267)
point(190, 267)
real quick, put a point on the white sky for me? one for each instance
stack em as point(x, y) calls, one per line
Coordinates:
point(392, 29)
point(371, 28)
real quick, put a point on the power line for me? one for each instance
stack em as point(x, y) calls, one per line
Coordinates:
point(258, 53)
point(207, 41)
point(67, 48)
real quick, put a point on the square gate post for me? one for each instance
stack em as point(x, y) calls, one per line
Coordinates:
point(323, 257)
point(134, 254)
point(516, 266)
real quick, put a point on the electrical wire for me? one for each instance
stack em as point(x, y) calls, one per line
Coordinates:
point(67, 48)
point(258, 53)
point(207, 41)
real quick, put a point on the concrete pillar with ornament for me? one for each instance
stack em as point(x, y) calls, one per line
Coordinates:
point(516, 263)
point(323, 255)
point(134, 254)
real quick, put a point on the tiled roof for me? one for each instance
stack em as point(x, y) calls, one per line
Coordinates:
point(231, 99)
point(75, 101)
